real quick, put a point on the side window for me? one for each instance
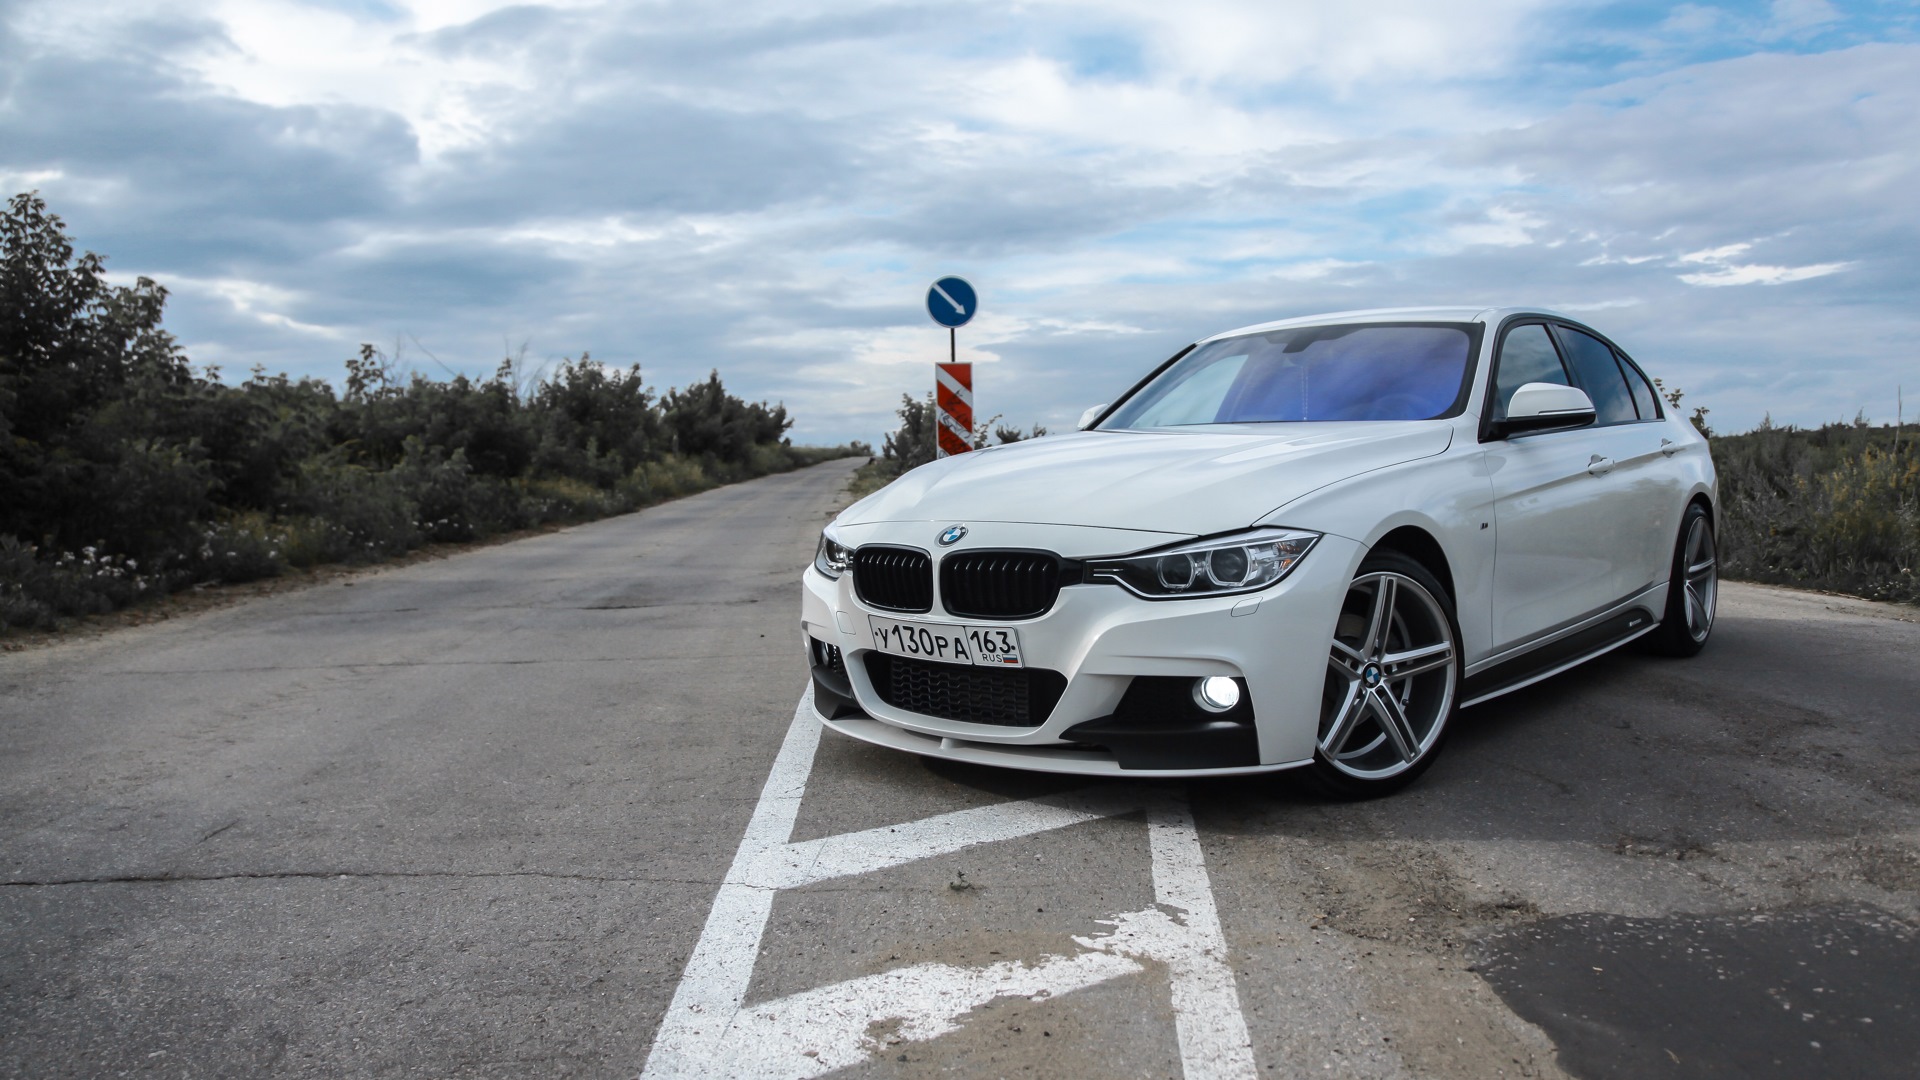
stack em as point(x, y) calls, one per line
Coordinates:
point(1526, 355)
point(1643, 396)
point(1599, 376)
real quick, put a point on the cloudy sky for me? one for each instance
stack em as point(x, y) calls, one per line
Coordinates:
point(1731, 191)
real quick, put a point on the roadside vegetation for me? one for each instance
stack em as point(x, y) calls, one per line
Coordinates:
point(1835, 508)
point(912, 444)
point(127, 473)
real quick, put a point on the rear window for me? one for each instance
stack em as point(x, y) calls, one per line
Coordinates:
point(1600, 376)
point(1643, 395)
point(1395, 371)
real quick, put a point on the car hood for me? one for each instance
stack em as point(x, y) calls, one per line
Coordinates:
point(1193, 482)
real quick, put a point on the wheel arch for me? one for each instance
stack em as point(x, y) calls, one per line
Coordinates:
point(1701, 499)
point(1420, 545)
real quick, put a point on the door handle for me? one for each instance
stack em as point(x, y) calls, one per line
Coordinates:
point(1599, 466)
point(1669, 447)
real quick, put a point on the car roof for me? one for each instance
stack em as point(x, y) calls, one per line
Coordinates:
point(1400, 314)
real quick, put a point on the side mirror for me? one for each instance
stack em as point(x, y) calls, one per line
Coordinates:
point(1538, 406)
point(1087, 418)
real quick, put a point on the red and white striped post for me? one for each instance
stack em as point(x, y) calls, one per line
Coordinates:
point(953, 397)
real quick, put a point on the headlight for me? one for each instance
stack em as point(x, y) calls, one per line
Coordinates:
point(831, 557)
point(1225, 564)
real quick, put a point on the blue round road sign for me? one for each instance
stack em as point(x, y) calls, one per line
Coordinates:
point(951, 301)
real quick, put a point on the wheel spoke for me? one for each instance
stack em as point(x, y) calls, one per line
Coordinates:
point(1700, 569)
point(1696, 609)
point(1407, 664)
point(1394, 722)
point(1346, 674)
point(1381, 624)
point(1346, 659)
point(1352, 707)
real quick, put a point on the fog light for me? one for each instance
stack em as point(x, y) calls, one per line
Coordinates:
point(1216, 693)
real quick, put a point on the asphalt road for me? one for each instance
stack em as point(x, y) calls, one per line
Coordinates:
point(509, 814)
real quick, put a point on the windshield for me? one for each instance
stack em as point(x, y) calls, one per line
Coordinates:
point(1392, 371)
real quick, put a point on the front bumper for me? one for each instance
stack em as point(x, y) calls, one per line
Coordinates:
point(1101, 638)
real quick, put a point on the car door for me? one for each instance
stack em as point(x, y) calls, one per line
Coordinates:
point(1556, 544)
point(1648, 496)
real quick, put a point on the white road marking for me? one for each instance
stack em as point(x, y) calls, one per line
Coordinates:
point(709, 1031)
point(715, 981)
point(1206, 1003)
point(881, 848)
point(829, 1028)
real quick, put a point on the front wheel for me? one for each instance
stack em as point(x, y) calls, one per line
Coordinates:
point(1693, 588)
point(1393, 673)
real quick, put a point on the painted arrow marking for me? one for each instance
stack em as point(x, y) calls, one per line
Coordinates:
point(709, 1030)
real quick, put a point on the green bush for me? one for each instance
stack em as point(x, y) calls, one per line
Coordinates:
point(1835, 508)
point(673, 476)
point(246, 547)
point(36, 592)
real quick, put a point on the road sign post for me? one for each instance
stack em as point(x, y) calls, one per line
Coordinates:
point(952, 303)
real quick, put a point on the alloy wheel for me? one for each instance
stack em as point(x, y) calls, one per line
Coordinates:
point(1703, 579)
point(1391, 678)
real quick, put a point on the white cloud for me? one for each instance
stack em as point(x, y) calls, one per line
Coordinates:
point(1577, 306)
point(1729, 272)
point(1717, 255)
point(289, 53)
point(1789, 17)
point(27, 179)
point(259, 301)
point(1398, 40)
point(1755, 274)
point(1501, 227)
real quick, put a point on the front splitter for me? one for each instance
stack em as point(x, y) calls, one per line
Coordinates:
point(1051, 759)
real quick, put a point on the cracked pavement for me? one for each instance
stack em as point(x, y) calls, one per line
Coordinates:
point(467, 817)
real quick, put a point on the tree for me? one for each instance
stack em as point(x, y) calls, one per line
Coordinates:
point(86, 376)
point(911, 445)
point(706, 421)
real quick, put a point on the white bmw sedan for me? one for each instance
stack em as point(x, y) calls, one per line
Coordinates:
point(1303, 544)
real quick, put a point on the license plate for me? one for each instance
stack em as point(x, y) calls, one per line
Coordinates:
point(987, 646)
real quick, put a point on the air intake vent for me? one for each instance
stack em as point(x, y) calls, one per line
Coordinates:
point(999, 584)
point(1020, 697)
point(894, 579)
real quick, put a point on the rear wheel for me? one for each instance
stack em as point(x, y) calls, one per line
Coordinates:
point(1393, 672)
point(1693, 588)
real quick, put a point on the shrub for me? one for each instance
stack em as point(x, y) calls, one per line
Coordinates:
point(246, 547)
point(672, 477)
point(369, 508)
point(36, 592)
point(1836, 507)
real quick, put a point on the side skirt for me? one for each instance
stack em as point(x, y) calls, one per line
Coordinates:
point(1557, 656)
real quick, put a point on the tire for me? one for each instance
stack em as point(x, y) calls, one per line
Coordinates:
point(1693, 588)
point(1391, 691)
